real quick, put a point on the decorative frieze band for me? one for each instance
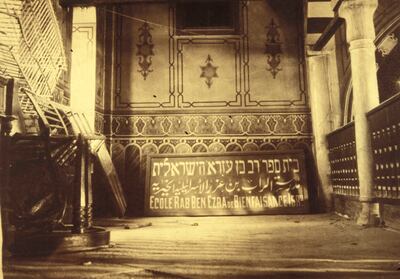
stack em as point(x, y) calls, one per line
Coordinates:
point(159, 145)
point(271, 124)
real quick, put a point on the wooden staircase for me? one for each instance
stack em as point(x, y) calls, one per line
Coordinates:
point(31, 46)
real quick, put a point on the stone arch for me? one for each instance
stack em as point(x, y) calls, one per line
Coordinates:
point(118, 159)
point(166, 148)
point(216, 147)
point(303, 146)
point(138, 196)
point(183, 148)
point(250, 146)
point(131, 182)
point(233, 147)
point(149, 148)
point(267, 146)
point(199, 148)
point(284, 145)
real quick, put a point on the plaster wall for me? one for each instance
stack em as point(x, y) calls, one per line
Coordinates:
point(254, 99)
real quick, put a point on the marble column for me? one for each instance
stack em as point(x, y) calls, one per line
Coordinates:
point(321, 120)
point(360, 35)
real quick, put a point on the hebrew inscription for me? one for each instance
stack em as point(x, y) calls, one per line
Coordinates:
point(200, 184)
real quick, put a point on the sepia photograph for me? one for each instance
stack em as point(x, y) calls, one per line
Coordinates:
point(199, 139)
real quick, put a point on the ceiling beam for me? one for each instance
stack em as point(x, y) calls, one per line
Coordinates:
point(329, 31)
point(331, 28)
point(83, 3)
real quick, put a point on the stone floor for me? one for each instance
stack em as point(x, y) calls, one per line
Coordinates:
point(295, 246)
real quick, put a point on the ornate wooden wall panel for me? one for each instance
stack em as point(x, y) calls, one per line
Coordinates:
point(343, 161)
point(385, 136)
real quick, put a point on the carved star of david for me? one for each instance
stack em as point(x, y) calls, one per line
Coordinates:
point(209, 71)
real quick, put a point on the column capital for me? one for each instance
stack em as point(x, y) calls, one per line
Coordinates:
point(315, 53)
point(355, 4)
point(359, 16)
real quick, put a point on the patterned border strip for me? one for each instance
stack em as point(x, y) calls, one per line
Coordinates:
point(267, 124)
point(206, 144)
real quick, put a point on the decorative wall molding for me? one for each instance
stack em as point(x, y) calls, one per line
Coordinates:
point(301, 101)
point(235, 43)
point(176, 48)
point(263, 124)
point(145, 50)
point(209, 144)
point(119, 103)
point(387, 44)
point(99, 122)
point(273, 48)
point(387, 55)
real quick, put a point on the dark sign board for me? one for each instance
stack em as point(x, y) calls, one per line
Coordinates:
point(226, 183)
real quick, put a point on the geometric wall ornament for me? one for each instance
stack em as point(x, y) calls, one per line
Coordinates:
point(273, 48)
point(208, 71)
point(219, 124)
point(140, 125)
point(272, 124)
point(230, 49)
point(145, 50)
point(128, 94)
point(99, 123)
point(256, 59)
point(166, 125)
point(189, 145)
point(298, 123)
point(178, 64)
point(245, 124)
point(145, 126)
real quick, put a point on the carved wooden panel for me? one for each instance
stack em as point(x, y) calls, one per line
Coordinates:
point(385, 136)
point(343, 161)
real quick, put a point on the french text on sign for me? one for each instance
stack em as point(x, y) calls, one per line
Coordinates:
point(231, 183)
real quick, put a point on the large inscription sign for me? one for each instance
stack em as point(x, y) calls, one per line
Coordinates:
point(226, 184)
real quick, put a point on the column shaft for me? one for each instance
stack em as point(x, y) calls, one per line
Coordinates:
point(360, 35)
point(365, 97)
point(321, 121)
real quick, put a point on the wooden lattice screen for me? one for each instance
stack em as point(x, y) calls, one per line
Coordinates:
point(343, 161)
point(31, 45)
point(384, 123)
